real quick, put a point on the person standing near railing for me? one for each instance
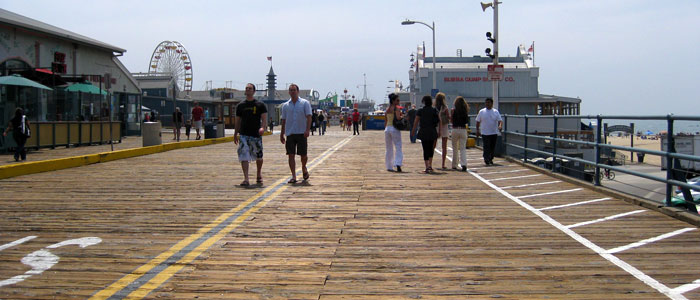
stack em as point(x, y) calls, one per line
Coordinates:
point(20, 133)
point(488, 119)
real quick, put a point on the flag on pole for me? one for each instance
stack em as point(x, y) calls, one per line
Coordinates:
point(269, 58)
point(532, 47)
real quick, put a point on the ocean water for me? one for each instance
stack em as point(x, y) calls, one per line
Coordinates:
point(656, 126)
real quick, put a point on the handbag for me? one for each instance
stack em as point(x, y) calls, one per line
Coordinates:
point(399, 124)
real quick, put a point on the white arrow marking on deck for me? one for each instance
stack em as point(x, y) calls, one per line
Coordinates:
point(43, 260)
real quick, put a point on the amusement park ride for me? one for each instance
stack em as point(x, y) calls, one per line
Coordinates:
point(171, 57)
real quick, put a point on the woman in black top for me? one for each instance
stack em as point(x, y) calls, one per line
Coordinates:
point(427, 118)
point(460, 117)
point(20, 133)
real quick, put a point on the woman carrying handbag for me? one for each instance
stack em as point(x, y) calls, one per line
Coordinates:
point(392, 136)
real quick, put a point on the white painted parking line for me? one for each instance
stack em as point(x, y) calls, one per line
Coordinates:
point(551, 193)
point(17, 242)
point(606, 218)
point(515, 177)
point(492, 167)
point(531, 184)
point(650, 240)
point(687, 287)
point(648, 280)
point(676, 294)
point(500, 172)
point(574, 204)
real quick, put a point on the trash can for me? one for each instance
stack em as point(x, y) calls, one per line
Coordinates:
point(209, 130)
point(640, 157)
point(150, 134)
point(220, 129)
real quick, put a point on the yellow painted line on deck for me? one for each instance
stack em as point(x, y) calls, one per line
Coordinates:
point(26, 168)
point(172, 269)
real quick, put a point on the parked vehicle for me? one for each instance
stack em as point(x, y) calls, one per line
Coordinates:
point(692, 181)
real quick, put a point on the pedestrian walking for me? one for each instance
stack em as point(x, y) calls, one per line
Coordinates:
point(251, 119)
point(314, 121)
point(348, 124)
point(392, 136)
point(355, 122)
point(188, 126)
point(197, 115)
point(428, 120)
point(322, 119)
point(296, 124)
point(411, 119)
point(443, 132)
point(19, 125)
point(488, 125)
point(177, 123)
point(460, 118)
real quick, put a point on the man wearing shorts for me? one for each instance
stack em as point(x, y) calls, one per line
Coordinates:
point(197, 113)
point(296, 125)
point(251, 118)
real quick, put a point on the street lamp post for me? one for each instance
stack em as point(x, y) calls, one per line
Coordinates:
point(409, 22)
point(494, 4)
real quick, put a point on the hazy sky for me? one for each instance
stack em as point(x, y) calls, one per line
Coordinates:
point(619, 57)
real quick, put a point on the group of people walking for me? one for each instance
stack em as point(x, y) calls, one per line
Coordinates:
point(351, 120)
point(431, 123)
point(251, 118)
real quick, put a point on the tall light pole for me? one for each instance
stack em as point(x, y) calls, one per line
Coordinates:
point(409, 22)
point(494, 85)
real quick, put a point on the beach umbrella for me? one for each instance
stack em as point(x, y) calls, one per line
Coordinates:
point(17, 80)
point(86, 88)
point(649, 132)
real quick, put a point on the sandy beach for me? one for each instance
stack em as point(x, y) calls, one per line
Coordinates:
point(639, 143)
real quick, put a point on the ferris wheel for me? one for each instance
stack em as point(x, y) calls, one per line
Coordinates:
point(171, 57)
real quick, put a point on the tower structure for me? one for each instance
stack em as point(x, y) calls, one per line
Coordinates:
point(271, 84)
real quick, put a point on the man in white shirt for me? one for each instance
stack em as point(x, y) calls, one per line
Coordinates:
point(296, 127)
point(488, 125)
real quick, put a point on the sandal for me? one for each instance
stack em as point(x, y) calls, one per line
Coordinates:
point(292, 181)
point(244, 183)
point(306, 176)
point(259, 180)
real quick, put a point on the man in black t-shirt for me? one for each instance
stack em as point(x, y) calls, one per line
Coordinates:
point(251, 118)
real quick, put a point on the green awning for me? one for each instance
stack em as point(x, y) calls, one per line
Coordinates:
point(86, 88)
point(17, 80)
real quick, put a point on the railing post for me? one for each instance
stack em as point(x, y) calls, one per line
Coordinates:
point(38, 135)
point(525, 142)
point(554, 146)
point(68, 135)
point(596, 174)
point(53, 135)
point(505, 134)
point(671, 148)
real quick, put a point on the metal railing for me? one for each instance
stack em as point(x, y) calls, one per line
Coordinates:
point(66, 133)
point(515, 139)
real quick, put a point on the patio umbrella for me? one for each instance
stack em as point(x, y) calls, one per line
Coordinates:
point(85, 88)
point(18, 80)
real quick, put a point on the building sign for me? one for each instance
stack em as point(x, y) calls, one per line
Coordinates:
point(473, 79)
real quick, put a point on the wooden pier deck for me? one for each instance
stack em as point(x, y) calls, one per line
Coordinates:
point(176, 225)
